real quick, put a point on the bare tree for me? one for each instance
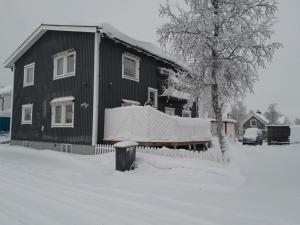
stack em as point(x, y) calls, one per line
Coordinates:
point(272, 114)
point(224, 42)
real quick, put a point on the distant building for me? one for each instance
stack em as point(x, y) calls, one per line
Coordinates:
point(5, 108)
point(256, 120)
point(228, 127)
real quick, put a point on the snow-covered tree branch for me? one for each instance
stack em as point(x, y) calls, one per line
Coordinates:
point(224, 42)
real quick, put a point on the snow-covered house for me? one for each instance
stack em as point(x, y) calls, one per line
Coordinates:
point(256, 120)
point(65, 76)
point(228, 127)
point(5, 108)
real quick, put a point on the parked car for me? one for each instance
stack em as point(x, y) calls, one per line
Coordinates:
point(253, 136)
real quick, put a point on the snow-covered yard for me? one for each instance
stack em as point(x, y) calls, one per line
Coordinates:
point(260, 187)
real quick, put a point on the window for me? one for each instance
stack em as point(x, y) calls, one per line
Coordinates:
point(27, 114)
point(170, 111)
point(130, 67)
point(62, 112)
point(253, 123)
point(66, 148)
point(64, 64)
point(152, 97)
point(186, 113)
point(28, 75)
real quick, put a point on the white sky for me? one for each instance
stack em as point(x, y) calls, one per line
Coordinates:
point(279, 83)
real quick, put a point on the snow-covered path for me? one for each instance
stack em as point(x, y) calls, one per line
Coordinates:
point(46, 187)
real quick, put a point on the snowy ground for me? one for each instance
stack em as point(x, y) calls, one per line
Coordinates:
point(260, 187)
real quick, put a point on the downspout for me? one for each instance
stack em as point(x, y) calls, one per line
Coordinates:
point(12, 102)
point(96, 89)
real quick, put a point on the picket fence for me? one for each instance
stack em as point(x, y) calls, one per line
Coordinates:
point(210, 154)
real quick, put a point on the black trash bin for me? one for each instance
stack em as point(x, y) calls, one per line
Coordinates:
point(125, 155)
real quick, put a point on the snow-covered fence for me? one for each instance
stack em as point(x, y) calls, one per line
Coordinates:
point(210, 154)
point(104, 149)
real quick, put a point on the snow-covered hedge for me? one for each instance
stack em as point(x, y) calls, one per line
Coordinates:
point(146, 124)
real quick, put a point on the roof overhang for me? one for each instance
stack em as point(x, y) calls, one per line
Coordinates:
point(38, 33)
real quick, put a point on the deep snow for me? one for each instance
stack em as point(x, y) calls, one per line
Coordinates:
point(260, 186)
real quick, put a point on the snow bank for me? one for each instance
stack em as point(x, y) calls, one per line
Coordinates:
point(295, 134)
point(146, 124)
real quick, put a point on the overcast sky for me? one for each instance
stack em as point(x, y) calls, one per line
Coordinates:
point(279, 83)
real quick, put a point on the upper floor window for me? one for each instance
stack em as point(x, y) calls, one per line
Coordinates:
point(28, 75)
point(152, 97)
point(130, 67)
point(253, 123)
point(62, 112)
point(64, 64)
point(27, 114)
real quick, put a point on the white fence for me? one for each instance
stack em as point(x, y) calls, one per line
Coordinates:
point(210, 154)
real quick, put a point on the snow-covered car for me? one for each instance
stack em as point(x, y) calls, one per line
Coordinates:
point(253, 136)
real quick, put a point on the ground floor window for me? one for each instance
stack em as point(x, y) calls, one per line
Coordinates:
point(186, 113)
point(62, 112)
point(66, 148)
point(27, 114)
point(170, 111)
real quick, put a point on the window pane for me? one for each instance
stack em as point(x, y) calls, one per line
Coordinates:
point(29, 78)
point(60, 66)
point(58, 110)
point(69, 114)
point(27, 114)
point(71, 63)
point(129, 67)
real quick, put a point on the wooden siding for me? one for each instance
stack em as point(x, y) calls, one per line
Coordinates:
point(260, 125)
point(114, 88)
point(45, 89)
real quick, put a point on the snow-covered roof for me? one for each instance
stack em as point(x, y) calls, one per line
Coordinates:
point(104, 28)
point(6, 90)
point(225, 120)
point(257, 116)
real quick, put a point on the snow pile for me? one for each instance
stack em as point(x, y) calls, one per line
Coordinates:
point(6, 90)
point(146, 124)
point(124, 144)
point(295, 134)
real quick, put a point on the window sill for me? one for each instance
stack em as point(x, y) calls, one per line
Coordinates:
point(62, 126)
point(26, 123)
point(131, 78)
point(63, 76)
point(27, 84)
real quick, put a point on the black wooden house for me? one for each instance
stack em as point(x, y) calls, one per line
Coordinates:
point(66, 75)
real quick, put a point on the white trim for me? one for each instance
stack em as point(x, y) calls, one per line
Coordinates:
point(170, 110)
point(26, 67)
point(26, 106)
point(63, 55)
point(38, 33)
point(96, 89)
point(150, 89)
point(137, 67)
point(63, 105)
point(63, 99)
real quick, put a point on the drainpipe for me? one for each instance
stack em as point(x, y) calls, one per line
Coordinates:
point(12, 101)
point(96, 89)
point(2, 98)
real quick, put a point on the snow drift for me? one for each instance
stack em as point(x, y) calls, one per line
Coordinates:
point(146, 124)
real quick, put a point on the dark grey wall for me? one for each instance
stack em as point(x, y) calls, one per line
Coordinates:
point(260, 125)
point(114, 88)
point(45, 89)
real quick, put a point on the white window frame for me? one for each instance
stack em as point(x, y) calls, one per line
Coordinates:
point(253, 120)
point(63, 55)
point(67, 148)
point(23, 121)
point(26, 67)
point(189, 112)
point(155, 103)
point(137, 67)
point(63, 124)
point(170, 109)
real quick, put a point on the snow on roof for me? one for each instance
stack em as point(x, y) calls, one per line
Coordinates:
point(104, 28)
point(125, 144)
point(224, 120)
point(257, 116)
point(6, 90)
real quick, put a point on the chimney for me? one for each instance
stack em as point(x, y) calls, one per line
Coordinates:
point(259, 112)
